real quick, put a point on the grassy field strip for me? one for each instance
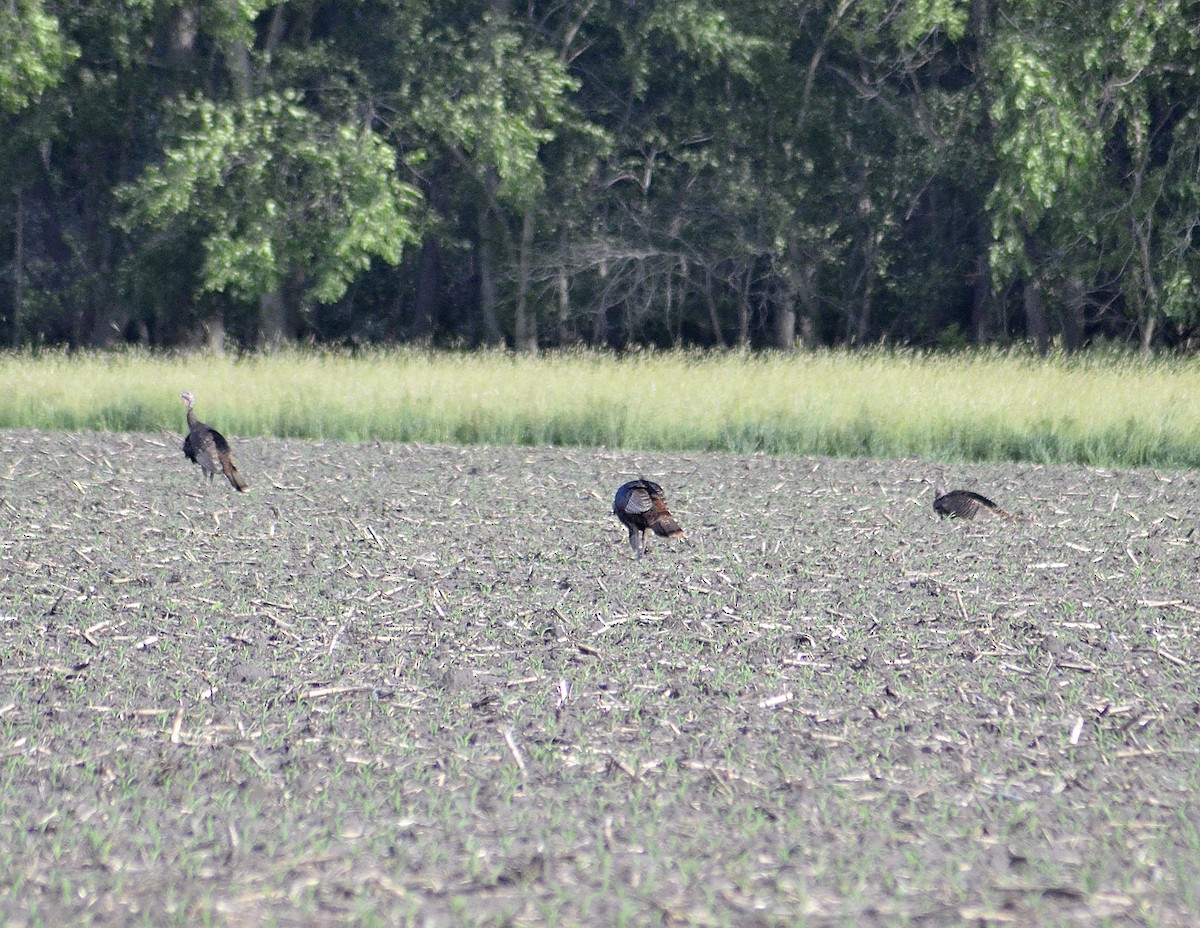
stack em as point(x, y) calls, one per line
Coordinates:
point(1101, 409)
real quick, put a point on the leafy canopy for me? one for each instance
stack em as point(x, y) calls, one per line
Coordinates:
point(33, 53)
point(276, 193)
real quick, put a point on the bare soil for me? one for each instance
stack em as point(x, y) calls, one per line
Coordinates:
point(402, 684)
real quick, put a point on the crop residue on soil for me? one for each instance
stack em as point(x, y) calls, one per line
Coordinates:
point(431, 684)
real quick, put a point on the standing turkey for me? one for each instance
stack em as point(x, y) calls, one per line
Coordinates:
point(964, 504)
point(640, 505)
point(207, 447)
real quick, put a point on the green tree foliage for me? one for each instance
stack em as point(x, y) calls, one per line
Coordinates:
point(497, 106)
point(272, 193)
point(678, 172)
point(33, 53)
point(1095, 196)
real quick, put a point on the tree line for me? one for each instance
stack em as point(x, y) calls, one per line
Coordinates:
point(759, 173)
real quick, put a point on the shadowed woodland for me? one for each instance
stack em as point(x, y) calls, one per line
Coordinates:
point(606, 172)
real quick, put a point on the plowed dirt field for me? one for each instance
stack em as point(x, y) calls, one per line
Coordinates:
point(401, 684)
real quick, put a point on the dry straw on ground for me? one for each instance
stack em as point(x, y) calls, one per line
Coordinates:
point(408, 682)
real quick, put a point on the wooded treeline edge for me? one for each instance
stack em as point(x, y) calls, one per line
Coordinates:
point(610, 172)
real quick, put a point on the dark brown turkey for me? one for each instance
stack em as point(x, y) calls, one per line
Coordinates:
point(640, 505)
point(964, 504)
point(207, 447)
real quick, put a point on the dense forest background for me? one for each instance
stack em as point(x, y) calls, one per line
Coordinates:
point(610, 172)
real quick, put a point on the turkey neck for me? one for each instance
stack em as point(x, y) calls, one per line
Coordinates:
point(192, 421)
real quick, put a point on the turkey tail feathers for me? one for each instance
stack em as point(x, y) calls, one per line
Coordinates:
point(668, 528)
point(234, 475)
point(663, 522)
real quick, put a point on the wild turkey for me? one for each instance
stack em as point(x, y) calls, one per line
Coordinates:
point(207, 447)
point(964, 504)
point(640, 505)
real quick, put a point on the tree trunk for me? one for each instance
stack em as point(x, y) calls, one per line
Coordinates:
point(981, 289)
point(600, 326)
point(18, 277)
point(487, 282)
point(1074, 323)
point(182, 35)
point(429, 273)
point(237, 59)
point(281, 312)
point(802, 289)
point(808, 330)
point(564, 306)
point(983, 304)
point(276, 31)
point(1036, 327)
point(744, 310)
point(862, 325)
point(1148, 300)
point(214, 334)
point(862, 322)
point(271, 307)
point(785, 323)
point(526, 323)
point(669, 306)
point(714, 318)
point(562, 286)
point(48, 252)
point(272, 320)
point(1148, 327)
point(685, 284)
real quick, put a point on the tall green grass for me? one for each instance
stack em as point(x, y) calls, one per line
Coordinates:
point(1095, 409)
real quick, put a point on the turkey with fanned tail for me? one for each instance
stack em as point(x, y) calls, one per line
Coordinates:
point(207, 447)
point(640, 505)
